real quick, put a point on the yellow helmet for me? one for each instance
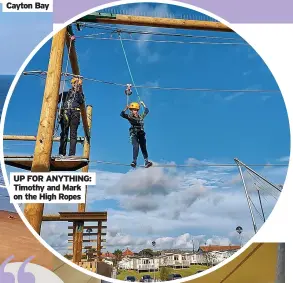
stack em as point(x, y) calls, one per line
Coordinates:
point(134, 105)
point(76, 80)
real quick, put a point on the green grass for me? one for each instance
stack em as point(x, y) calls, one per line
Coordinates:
point(184, 272)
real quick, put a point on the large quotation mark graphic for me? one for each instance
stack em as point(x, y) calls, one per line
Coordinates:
point(6, 277)
point(22, 276)
point(25, 277)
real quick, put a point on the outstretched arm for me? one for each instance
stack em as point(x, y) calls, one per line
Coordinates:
point(146, 110)
point(123, 114)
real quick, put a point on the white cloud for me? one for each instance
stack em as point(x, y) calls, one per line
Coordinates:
point(284, 159)
point(145, 55)
point(171, 204)
point(265, 97)
point(234, 95)
point(238, 94)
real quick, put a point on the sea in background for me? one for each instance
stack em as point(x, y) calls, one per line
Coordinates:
point(5, 82)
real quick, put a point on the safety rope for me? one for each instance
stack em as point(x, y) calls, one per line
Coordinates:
point(272, 91)
point(188, 165)
point(127, 62)
point(63, 87)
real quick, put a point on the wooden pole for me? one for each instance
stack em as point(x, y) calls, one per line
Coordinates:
point(43, 146)
point(81, 206)
point(75, 69)
point(86, 153)
point(74, 231)
point(156, 22)
point(77, 241)
point(99, 241)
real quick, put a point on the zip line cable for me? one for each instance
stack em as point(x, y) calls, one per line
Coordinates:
point(166, 88)
point(264, 187)
point(165, 41)
point(183, 165)
point(254, 206)
point(265, 184)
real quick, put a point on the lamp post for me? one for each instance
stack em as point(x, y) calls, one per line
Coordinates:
point(239, 230)
point(154, 245)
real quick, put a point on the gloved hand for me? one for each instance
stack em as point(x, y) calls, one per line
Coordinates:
point(142, 103)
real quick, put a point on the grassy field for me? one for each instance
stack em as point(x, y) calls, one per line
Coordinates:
point(184, 272)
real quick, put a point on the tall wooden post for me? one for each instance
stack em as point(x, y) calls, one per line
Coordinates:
point(86, 153)
point(99, 241)
point(43, 147)
point(77, 241)
point(73, 238)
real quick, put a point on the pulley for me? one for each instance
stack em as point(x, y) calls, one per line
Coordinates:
point(128, 90)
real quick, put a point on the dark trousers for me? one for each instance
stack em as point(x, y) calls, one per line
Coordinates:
point(70, 119)
point(138, 140)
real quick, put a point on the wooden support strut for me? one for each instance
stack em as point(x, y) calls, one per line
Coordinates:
point(77, 254)
point(86, 153)
point(156, 22)
point(43, 146)
point(99, 241)
point(77, 241)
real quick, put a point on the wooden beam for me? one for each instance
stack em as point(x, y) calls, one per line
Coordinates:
point(86, 153)
point(33, 138)
point(156, 22)
point(77, 216)
point(43, 147)
point(84, 254)
point(84, 248)
point(88, 241)
point(89, 227)
point(88, 234)
point(83, 216)
point(75, 69)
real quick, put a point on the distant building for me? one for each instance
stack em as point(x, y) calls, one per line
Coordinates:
point(206, 255)
point(203, 249)
point(108, 256)
point(127, 253)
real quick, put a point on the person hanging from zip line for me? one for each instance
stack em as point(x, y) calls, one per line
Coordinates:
point(71, 101)
point(136, 131)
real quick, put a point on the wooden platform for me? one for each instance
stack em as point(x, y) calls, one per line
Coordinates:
point(64, 164)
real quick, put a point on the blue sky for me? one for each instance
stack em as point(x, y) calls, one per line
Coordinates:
point(19, 35)
point(170, 205)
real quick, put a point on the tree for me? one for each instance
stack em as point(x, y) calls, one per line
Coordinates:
point(164, 273)
point(118, 256)
point(146, 252)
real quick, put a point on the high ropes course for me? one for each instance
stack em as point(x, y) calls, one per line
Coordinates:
point(42, 161)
